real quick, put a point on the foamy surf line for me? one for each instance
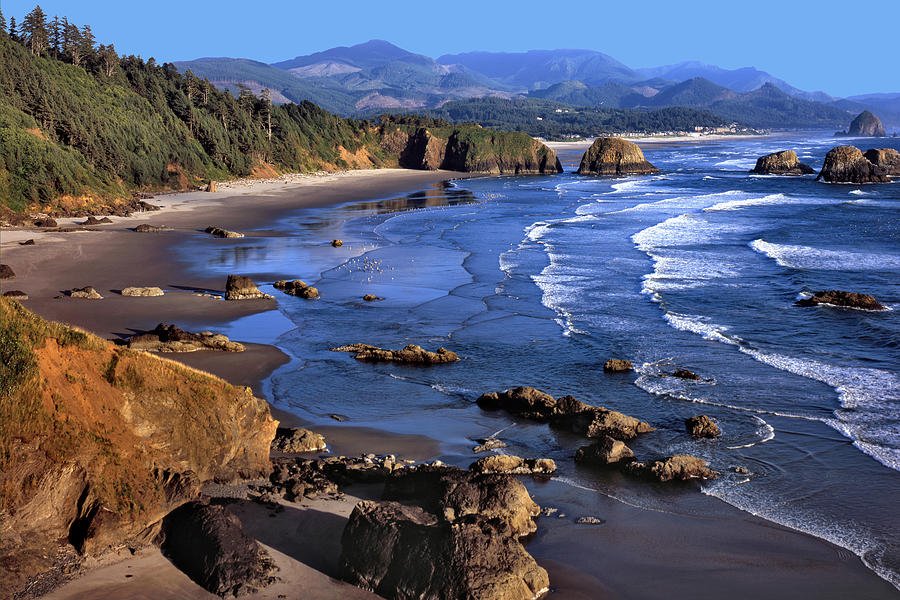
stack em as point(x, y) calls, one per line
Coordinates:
point(807, 257)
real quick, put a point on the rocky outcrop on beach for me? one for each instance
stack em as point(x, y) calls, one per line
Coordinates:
point(29, 242)
point(514, 465)
point(680, 467)
point(143, 291)
point(701, 426)
point(296, 440)
point(45, 222)
point(610, 156)
point(112, 440)
point(87, 292)
point(847, 164)
point(565, 413)
point(6, 272)
point(606, 451)
point(617, 365)
point(172, 338)
point(222, 233)
point(781, 163)
point(15, 295)
point(147, 228)
point(842, 299)
point(885, 158)
point(209, 545)
point(865, 124)
point(488, 443)
point(95, 221)
point(240, 287)
point(411, 354)
point(297, 288)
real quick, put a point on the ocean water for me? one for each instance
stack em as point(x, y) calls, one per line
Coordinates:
point(538, 280)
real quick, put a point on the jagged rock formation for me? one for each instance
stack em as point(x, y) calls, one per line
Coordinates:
point(222, 233)
point(411, 354)
point(6, 272)
point(100, 442)
point(565, 413)
point(142, 291)
point(781, 163)
point(702, 426)
point(606, 451)
point(210, 546)
point(844, 299)
point(846, 164)
point(294, 440)
point(240, 287)
point(297, 288)
point(685, 374)
point(88, 293)
point(95, 221)
point(473, 150)
point(514, 465)
point(865, 124)
point(886, 158)
point(680, 467)
point(617, 365)
point(171, 338)
point(147, 228)
point(610, 156)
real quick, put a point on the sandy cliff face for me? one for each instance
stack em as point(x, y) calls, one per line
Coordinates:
point(100, 442)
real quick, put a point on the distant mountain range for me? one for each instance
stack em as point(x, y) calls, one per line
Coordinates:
point(377, 76)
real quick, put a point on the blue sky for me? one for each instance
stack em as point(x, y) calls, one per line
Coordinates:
point(842, 48)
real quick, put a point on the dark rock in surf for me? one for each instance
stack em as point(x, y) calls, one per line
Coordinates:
point(842, 299)
point(617, 365)
point(607, 451)
point(885, 158)
point(147, 228)
point(297, 288)
point(410, 354)
point(702, 426)
point(222, 233)
point(685, 374)
point(865, 124)
point(781, 163)
point(680, 467)
point(846, 164)
point(610, 156)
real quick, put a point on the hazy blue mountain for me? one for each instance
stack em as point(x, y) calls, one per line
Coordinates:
point(537, 69)
point(578, 93)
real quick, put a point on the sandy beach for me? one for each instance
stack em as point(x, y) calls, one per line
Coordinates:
point(645, 554)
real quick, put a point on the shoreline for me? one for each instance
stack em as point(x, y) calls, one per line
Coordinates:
point(658, 140)
point(771, 540)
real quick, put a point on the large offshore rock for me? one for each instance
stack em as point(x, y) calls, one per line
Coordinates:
point(411, 354)
point(847, 164)
point(886, 158)
point(239, 287)
point(781, 163)
point(614, 156)
point(865, 124)
point(843, 299)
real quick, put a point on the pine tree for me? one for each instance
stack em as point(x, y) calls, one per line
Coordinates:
point(108, 59)
point(73, 43)
point(56, 35)
point(13, 30)
point(86, 44)
point(34, 29)
point(2, 21)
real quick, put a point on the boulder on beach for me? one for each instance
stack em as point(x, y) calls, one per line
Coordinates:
point(147, 228)
point(847, 164)
point(209, 545)
point(606, 451)
point(212, 187)
point(564, 413)
point(866, 124)
point(886, 158)
point(45, 222)
point(701, 426)
point(142, 291)
point(411, 354)
point(222, 233)
point(680, 467)
point(781, 163)
point(842, 299)
point(399, 551)
point(96, 221)
point(15, 295)
point(167, 337)
point(611, 156)
point(337, 243)
point(514, 465)
point(297, 288)
point(240, 287)
point(87, 292)
point(29, 242)
point(294, 440)
point(6, 272)
point(617, 365)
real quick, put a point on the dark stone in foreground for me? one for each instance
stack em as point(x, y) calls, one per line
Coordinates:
point(411, 354)
point(702, 426)
point(210, 547)
point(846, 164)
point(843, 299)
point(679, 467)
point(6, 272)
point(781, 163)
point(612, 156)
point(294, 440)
point(606, 451)
point(147, 228)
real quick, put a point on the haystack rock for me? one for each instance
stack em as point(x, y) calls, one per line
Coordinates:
point(846, 164)
point(614, 156)
point(864, 125)
point(842, 299)
point(886, 158)
point(781, 163)
point(240, 287)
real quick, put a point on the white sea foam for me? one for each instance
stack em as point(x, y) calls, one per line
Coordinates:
point(702, 327)
point(765, 432)
point(742, 164)
point(858, 193)
point(806, 257)
point(770, 200)
point(683, 230)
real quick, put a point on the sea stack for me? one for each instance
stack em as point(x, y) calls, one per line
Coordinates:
point(865, 124)
point(886, 158)
point(846, 164)
point(781, 163)
point(609, 156)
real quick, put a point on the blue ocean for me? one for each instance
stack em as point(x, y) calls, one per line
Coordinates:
point(539, 280)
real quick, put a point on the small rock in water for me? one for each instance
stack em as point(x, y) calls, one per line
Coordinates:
point(617, 365)
point(486, 444)
point(339, 418)
point(685, 374)
point(590, 521)
point(239, 287)
point(222, 233)
point(548, 510)
point(146, 228)
point(372, 298)
point(741, 470)
point(298, 288)
point(702, 426)
point(411, 354)
point(337, 243)
point(842, 299)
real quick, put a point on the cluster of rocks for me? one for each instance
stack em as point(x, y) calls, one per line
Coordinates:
point(514, 465)
point(147, 228)
point(95, 221)
point(847, 164)
point(143, 291)
point(611, 156)
point(411, 354)
point(781, 163)
point(87, 292)
point(297, 288)
point(171, 338)
point(240, 287)
point(842, 299)
point(222, 233)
